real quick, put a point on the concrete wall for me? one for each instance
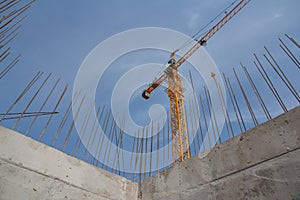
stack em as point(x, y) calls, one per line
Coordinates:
point(31, 170)
point(263, 163)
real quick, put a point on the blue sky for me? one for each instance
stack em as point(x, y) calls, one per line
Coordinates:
point(58, 35)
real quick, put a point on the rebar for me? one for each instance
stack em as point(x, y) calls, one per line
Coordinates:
point(282, 75)
point(29, 85)
point(262, 104)
point(10, 66)
point(54, 109)
point(292, 40)
point(246, 99)
point(269, 82)
point(32, 99)
point(232, 102)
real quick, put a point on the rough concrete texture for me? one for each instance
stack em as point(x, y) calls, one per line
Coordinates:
point(262, 163)
point(32, 170)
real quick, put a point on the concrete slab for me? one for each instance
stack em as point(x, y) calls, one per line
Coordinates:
point(198, 176)
point(24, 159)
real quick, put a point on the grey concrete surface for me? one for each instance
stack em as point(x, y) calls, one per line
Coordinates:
point(262, 163)
point(32, 170)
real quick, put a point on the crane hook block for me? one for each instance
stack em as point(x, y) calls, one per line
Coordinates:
point(202, 42)
point(146, 95)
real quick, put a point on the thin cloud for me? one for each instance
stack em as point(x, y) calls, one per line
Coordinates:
point(193, 20)
point(277, 15)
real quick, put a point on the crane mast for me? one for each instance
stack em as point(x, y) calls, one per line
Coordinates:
point(180, 142)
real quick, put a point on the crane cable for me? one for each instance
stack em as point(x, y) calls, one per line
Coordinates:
point(200, 32)
point(189, 41)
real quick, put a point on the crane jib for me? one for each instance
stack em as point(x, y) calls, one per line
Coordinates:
point(202, 42)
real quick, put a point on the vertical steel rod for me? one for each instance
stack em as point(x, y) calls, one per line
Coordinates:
point(12, 32)
point(293, 40)
point(30, 84)
point(269, 82)
point(8, 41)
point(290, 52)
point(4, 56)
point(5, 52)
point(205, 122)
point(43, 105)
point(100, 141)
point(97, 127)
point(232, 103)
point(113, 130)
point(246, 99)
point(282, 75)
point(211, 111)
point(8, 7)
point(10, 66)
point(146, 151)
point(262, 104)
point(237, 105)
point(31, 100)
point(54, 109)
point(157, 146)
point(136, 157)
point(90, 135)
point(83, 129)
point(151, 149)
point(291, 58)
point(224, 109)
point(192, 122)
point(132, 150)
point(2, 33)
point(18, 13)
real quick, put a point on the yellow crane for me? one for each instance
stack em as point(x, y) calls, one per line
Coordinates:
point(180, 140)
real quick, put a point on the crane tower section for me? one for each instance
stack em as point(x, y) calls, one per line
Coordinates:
point(180, 142)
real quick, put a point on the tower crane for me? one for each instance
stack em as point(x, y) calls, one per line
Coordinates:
point(180, 140)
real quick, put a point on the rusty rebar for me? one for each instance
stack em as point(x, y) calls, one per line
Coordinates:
point(269, 82)
point(224, 109)
point(293, 40)
point(10, 66)
point(2, 33)
point(84, 132)
point(105, 124)
point(12, 32)
point(205, 122)
point(290, 52)
point(8, 41)
point(282, 75)
point(5, 52)
point(27, 115)
point(212, 114)
point(83, 129)
point(151, 150)
point(5, 55)
point(236, 103)
point(8, 6)
point(32, 99)
point(54, 109)
point(246, 99)
point(97, 127)
point(43, 105)
point(17, 14)
point(136, 156)
point(262, 104)
point(29, 85)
